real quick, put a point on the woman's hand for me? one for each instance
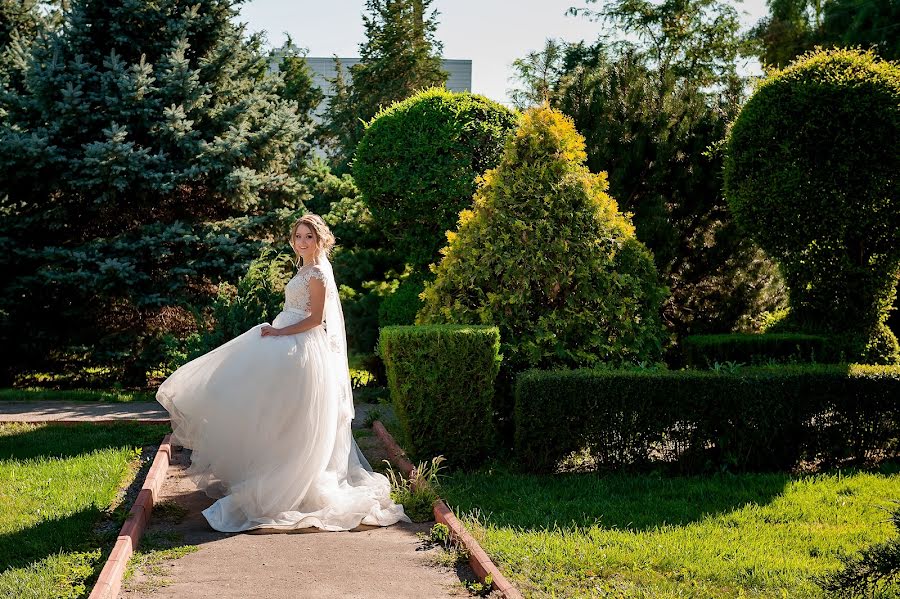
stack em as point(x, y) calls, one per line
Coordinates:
point(269, 331)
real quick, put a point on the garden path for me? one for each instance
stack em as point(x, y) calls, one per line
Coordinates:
point(82, 411)
point(366, 563)
point(369, 562)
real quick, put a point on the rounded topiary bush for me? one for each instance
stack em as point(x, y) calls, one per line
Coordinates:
point(811, 174)
point(417, 163)
point(547, 257)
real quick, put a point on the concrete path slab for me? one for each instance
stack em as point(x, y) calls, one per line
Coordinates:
point(366, 563)
point(73, 411)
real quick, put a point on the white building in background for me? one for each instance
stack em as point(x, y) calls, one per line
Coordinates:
point(322, 68)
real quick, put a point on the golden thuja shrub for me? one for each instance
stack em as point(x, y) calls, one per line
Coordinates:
point(545, 254)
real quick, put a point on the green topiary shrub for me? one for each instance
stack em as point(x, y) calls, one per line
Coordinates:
point(811, 175)
point(417, 163)
point(546, 256)
point(881, 346)
point(441, 380)
point(745, 418)
point(703, 351)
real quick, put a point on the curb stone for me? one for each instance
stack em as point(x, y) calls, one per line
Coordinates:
point(478, 559)
point(110, 581)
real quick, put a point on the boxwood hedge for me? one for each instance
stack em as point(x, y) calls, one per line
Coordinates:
point(441, 379)
point(748, 418)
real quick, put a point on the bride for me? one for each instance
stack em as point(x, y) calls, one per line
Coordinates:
point(268, 414)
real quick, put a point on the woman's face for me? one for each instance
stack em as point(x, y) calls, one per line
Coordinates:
point(305, 243)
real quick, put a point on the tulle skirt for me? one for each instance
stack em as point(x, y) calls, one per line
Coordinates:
point(263, 418)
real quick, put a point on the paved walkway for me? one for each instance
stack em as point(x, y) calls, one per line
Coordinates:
point(76, 411)
point(366, 563)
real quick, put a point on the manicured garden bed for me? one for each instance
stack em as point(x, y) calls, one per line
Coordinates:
point(60, 487)
point(749, 535)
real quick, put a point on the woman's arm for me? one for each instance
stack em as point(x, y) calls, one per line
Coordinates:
point(316, 309)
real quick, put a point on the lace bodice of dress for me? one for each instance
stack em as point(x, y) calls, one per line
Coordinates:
point(296, 292)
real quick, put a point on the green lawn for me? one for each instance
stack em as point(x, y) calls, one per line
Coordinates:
point(110, 395)
point(58, 485)
point(753, 535)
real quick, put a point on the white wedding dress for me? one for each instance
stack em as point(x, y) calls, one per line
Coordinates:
point(268, 420)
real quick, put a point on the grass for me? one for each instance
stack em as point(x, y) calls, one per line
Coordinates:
point(418, 493)
point(108, 395)
point(157, 548)
point(59, 487)
point(752, 535)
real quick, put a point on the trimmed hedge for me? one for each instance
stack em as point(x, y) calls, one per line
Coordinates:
point(703, 351)
point(749, 418)
point(441, 379)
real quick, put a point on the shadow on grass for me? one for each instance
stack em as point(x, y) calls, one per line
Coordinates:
point(20, 442)
point(625, 501)
point(49, 537)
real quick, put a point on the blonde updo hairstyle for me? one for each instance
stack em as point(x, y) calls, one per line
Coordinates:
point(324, 236)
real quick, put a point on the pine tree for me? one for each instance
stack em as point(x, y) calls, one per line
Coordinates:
point(341, 123)
point(298, 85)
point(135, 109)
point(793, 27)
point(21, 21)
point(138, 123)
point(399, 57)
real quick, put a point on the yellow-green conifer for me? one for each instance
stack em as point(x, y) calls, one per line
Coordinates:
point(546, 255)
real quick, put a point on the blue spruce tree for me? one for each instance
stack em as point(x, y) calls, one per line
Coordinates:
point(140, 148)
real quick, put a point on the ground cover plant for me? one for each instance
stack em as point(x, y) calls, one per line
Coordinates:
point(59, 489)
point(646, 535)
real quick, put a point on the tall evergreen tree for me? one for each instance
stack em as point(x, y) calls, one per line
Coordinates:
point(18, 18)
point(399, 57)
point(340, 124)
point(298, 85)
point(21, 21)
point(790, 28)
point(794, 26)
point(537, 73)
point(651, 105)
point(139, 122)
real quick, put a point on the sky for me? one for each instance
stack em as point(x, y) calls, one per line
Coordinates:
point(490, 33)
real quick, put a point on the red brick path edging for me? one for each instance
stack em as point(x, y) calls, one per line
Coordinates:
point(479, 561)
point(110, 580)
